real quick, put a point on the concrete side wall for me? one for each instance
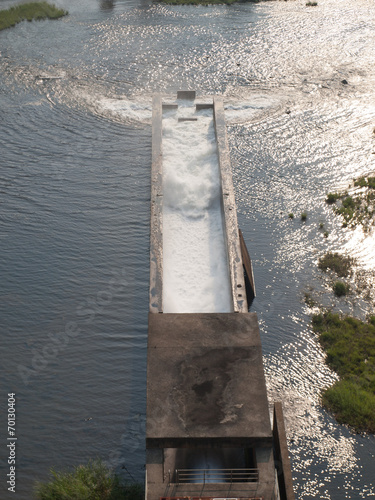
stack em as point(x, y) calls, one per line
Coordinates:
point(229, 211)
point(156, 233)
point(282, 455)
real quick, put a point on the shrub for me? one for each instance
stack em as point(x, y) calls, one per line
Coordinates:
point(348, 202)
point(291, 216)
point(336, 262)
point(365, 182)
point(340, 288)
point(303, 216)
point(309, 301)
point(93, 481)
point(361, 182)
point(332, 197)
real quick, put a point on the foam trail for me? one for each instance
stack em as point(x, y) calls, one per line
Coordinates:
point(195, 266)
point(140, 110)
point(125, 109)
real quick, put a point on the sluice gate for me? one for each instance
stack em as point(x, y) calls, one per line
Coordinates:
point(208, 429)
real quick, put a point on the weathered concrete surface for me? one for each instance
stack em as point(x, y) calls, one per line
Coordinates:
point(186, 94)
point(282, 454)
point(230, 210)
point(156, 222)
point(200, 106)
point(205, 381)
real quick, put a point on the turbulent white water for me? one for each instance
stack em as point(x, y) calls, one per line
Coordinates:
point(195, 265)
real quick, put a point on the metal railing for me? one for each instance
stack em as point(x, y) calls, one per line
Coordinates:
point(211, 498)
point(203, 476)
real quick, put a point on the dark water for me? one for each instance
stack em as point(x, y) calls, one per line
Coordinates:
point(75, 100)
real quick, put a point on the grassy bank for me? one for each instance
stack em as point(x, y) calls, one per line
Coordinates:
point(93, 481)
point(29, 12)
point(350, 347)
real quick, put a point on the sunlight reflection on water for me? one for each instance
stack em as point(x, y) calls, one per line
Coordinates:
point(296, 132)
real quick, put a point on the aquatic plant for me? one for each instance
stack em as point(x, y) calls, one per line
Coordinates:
point(340, 288)
point(338, 263)
point(28, 12)
point(93, 481)
point(365, 182)
point(350, 351)
point(358, 208)
point(309, 301)
point(332, 198)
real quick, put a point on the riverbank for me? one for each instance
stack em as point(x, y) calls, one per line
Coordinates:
point(350, 347)
point(29, 12)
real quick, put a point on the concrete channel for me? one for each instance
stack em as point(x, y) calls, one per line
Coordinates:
point(208, 427)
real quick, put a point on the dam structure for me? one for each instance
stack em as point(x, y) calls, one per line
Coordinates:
point(208, 426)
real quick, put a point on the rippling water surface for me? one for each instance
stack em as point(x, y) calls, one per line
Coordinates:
point(75, 109)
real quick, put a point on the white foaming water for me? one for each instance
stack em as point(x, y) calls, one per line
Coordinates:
point(141, 110)
point(243, 111)
point(126, 109)
point(195, 265)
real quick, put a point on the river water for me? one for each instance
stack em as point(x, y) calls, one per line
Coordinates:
point(75, 114)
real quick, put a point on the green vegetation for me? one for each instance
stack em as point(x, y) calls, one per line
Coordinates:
point(291, 216)
point(321, 225)
point(358, 208)
point(309, 301)
point(349, 208)
point(340, 264)
point(332, 198)
point(93, 481)
point(303, 216)
point(340, 288)
point(326, 233)
point(365, 182)
point(29, 11)
point(350, 347)
point(311, 4)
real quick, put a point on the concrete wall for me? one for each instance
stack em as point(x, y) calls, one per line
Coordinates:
point(156, 222)
point(229, 211)
point(282, 455)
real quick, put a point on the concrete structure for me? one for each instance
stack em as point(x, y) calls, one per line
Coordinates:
point(208, 430)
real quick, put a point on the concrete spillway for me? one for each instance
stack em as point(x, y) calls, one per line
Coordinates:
point(208, 432)
point(195, 263)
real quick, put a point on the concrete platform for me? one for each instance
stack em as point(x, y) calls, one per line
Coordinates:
point(205, 382)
